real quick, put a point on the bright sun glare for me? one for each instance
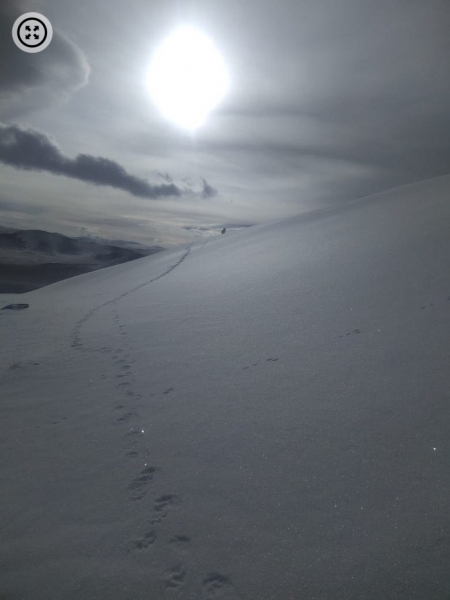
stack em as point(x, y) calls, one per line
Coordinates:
point(187, 77)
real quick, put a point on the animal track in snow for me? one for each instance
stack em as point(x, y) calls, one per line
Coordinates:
point(180, 539)
point(175, 576)
point(124, 418)
point(354, 332)
point(145, 542)
point(138, 486)
point(270, 359)
point(427, 306)
point(58, 420)
point(218, 586)
point(103, 350)
point(162, 505)
point(249, 366)
point(163, 502)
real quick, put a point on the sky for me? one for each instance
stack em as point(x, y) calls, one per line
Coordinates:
point(329, 100)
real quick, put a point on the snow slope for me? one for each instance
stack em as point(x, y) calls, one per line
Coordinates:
point(261, 416)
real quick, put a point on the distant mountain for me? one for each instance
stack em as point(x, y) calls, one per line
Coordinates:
point(30, 259)
point(146, 250)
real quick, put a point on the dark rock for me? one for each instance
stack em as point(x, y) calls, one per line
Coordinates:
point(16, 306)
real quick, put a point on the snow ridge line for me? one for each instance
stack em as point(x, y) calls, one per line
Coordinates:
point(75, 336)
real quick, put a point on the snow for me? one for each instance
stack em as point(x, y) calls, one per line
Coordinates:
point(261, 416)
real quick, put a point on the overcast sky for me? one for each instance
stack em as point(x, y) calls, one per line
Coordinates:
point(329, 100)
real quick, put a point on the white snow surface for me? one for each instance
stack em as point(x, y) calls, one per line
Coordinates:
point(262, 416)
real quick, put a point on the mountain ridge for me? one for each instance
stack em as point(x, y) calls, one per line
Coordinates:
point(32, 258)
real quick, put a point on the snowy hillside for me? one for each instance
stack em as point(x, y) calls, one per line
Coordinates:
point(263, 416)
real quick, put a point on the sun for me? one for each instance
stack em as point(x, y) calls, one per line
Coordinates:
point(187, 77)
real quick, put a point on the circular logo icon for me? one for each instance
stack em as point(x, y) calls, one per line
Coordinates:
point(32, 32)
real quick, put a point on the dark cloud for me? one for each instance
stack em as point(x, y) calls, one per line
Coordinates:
point(192, 228)
point(30, 81)
point(33, 150)
point(208, 191)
